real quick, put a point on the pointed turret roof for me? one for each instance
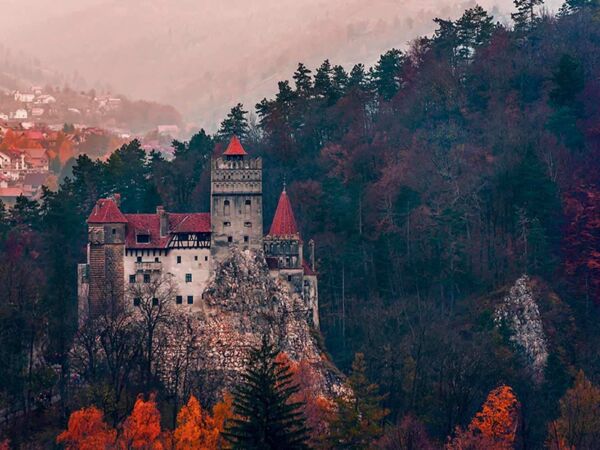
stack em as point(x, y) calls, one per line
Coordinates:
point(235, 148)
point(283, 223)
point(106, 211)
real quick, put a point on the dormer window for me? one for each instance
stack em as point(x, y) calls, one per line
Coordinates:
point(142, 238)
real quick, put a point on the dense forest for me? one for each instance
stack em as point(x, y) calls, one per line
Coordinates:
point(445, 187)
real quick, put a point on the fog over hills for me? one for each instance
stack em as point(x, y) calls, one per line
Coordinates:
point(203, 56)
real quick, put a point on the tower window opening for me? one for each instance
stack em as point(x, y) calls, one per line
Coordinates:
point(226, 206)
point(226, 224)
point(179, 299)
point(114, 231)
point(246, 239)
point(179, 260)
point(229, 239)
point(248, 224)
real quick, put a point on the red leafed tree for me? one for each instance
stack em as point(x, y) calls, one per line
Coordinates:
point(86, 431)
point(581, 243)
point(494, 427)
point(141, 430)
point(318, 410)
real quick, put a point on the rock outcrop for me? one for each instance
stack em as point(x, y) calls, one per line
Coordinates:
point(241, 304)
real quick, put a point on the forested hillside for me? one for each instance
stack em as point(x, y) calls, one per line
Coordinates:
point(453, 193)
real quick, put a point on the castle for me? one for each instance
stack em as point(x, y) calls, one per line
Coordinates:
point(126, 250)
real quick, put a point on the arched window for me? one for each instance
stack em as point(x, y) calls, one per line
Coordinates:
point(226, 207)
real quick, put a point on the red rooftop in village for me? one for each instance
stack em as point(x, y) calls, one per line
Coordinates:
point(235, 148)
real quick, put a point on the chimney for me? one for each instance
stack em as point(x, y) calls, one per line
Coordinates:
point(164, 220)
point(117, 199)
point(311, 244)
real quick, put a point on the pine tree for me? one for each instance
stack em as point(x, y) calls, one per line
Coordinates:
point(235, 124)
point(473, 30)
point(303, 80)
point(359, 421)
point(265, 416)
point(386, 74)
point(525, 17)
point(323, 85)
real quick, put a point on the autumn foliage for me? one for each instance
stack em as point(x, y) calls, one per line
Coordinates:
point(196, 429)
point(494, 427)
point(87, 431)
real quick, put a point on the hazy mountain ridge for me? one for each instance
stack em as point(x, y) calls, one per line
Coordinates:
point(202, 56)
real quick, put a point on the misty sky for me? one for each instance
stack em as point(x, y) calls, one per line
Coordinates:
point(203, 56)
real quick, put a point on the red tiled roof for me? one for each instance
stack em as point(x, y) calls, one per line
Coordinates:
point(106, 211)
point(34, 135)
point(150, 224)
point(235, 148)
point(283, 223)
point(307, 269)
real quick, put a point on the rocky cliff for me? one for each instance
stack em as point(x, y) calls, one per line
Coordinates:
point(241, 304)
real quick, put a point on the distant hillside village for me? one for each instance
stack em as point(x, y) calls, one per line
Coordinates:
point(42, 131)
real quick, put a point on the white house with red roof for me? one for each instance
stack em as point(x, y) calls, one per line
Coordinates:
point(127, 250)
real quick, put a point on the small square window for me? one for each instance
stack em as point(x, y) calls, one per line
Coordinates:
point(146, 278)
point(136, 301)
point(246, 239)
point(156, 259)
point(229, 239)
point(179, 260)
point(190, 299)
point(139, 259)
point(188, 277)
point(132, 278)
point(179, 299)
point(155, 302)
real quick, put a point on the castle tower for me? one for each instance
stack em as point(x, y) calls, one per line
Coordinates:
point(236, 201)
point(284, 254)
point(106, 248)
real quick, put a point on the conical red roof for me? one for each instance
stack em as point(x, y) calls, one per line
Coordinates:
point(284, 223)
point(235, 148)
point(106, 211)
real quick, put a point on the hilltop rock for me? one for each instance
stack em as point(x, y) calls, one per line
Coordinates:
point(242, 303)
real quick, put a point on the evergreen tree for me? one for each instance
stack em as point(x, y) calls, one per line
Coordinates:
point(573, 6)
point(358, 77)
point(473, 30)
point(339, 81)
point(235, 124)
point(386, 74)
point(303, 80)
point(568, 81)
point(265, 417)
point(323, 85)
point(360, 415)
point(525, 16)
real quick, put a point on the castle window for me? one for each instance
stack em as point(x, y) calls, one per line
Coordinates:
point(190, 299)
point(156, 259)
point(289, 278)
point(248, 224)
point(226, 206)
point(188, 277)
point(195, 257)
point(132, 278)
point(179, 299)
point(136, 301)
point(139, 259)
point(154, 301)
point(179, 260)
point(206, 258)
point(142, 238)
point(248, 206)
point(246, 239)
point(229, 239)
point(146, 278)
point(114, 231)
point(226, 224)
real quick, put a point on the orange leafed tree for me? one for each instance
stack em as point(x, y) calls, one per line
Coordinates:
point(318, 410)
point(494, 427)
point(197, 429)
point(141, 430)
point(87, 431)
